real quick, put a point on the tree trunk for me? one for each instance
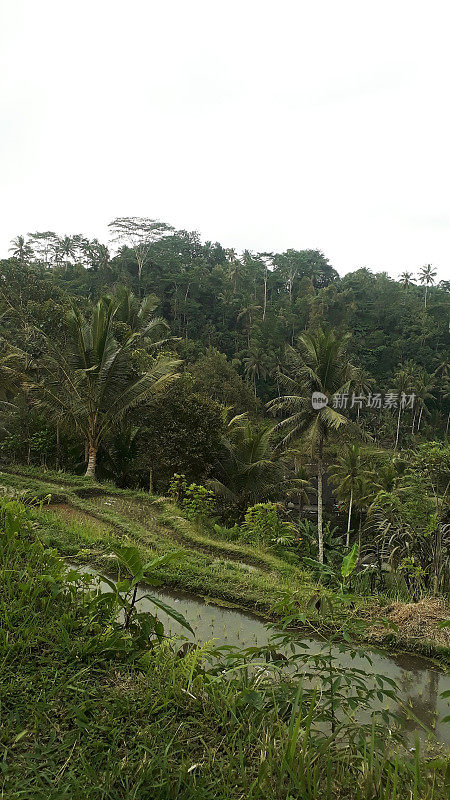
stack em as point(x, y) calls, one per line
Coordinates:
point(90, 471)
point(448, 423)
point(150, 481)
point(320, 504)
point(349, 518)
point(57, 446)
point(413, 422)
point(420, 419)
point(398, 425)
point(265, 295)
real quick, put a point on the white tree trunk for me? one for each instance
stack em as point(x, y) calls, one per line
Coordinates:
point(349, 521)
point(320, 508)
point(265, 295)
point(90, 471)
point(398, 425)
point(420, 419)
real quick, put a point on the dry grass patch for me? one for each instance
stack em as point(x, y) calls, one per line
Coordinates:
point(419, 621)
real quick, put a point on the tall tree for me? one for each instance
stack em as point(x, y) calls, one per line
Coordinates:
point(248, 470)
point(401, 385)
point(139, 233)
point(427, 275)
point(406, 279)
point(21, 249)
point(255, 365)
point(348, 476)
point(318, 365)
point(94, 383)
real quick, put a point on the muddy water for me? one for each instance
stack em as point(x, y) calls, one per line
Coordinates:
point(419, 682)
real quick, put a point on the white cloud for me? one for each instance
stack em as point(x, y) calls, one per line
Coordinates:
point(262, 125)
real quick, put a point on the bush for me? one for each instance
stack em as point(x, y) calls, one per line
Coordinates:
point(195, 500)
point(263, 525)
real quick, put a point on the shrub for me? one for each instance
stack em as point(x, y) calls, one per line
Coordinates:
point(263, 525)
point(195, 500)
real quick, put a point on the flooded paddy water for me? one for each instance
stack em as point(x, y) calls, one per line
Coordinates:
point(419, 681)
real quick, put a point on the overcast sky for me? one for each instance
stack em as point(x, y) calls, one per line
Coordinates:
point(264, 125)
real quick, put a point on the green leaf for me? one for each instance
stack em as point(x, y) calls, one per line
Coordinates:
point(171, 612)
point(129, 557)
point(158, 562)
point(349, 561)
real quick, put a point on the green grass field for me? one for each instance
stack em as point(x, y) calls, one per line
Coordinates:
point(84, 519)
point(90, 713)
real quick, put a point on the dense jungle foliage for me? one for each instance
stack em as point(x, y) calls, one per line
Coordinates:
point(159, 356)
point(251, 428)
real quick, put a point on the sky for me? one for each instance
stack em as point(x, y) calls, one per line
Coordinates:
point(263, 125)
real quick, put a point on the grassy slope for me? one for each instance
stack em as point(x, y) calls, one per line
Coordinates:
point(84, 715)
point(85, 528)
point(87, 518)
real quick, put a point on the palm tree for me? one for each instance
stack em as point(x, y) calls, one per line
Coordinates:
point(443, 371)
point(255, 365)
point(96, 253)
point(247, 313)
point(12, 366)
point(303, 488)
point(423, 390)
point(248, 470)
point(406, 278)
point(361, 384)
point(348, 476)
point(427, 275)
point(446, 396)
point(134, 316)
point(21, 249)
point(319, 365)
point(66, 249)
point(234, 266)
point(120, 451)
point(93, 384)
point(401, 385)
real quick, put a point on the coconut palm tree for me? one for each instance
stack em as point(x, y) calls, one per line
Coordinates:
point(66, 249)
point(319, 365)
point(132, 316)
point(442, 371)
point(349, 477)
point(402, 383)
point(21, 249)
point(248, 470)
point(427, 275)
point(303, 488)
point(234, 267)
point(93, 384)
point(255, 365)
point(423, 390)
point(361, 384)
point(406, 279)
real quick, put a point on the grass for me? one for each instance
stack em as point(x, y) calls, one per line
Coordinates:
point(87, 518)
point(88, 712)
